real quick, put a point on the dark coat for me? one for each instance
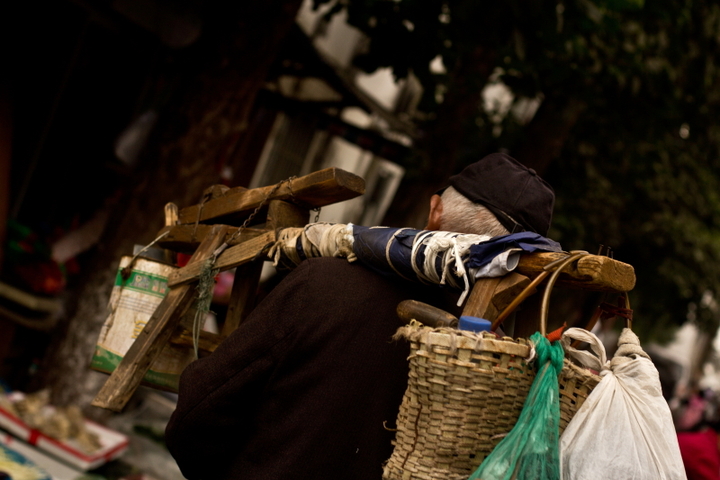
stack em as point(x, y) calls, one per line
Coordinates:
point(302, 388)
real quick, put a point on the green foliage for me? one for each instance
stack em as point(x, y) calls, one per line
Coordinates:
point(639, 169)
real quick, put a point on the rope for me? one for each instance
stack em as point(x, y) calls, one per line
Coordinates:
point(285, 247)
point(335, 241)
point(428, 272)
point(125, 272)
point(451, 248)
point(206, 284)
point(387, 253)
point(316, 240)
point(204, 199)
point(247, 221)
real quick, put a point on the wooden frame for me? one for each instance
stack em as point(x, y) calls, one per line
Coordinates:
point(200, 228)
point(282, 206)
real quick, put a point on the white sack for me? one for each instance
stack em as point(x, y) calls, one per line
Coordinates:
point(624, 430)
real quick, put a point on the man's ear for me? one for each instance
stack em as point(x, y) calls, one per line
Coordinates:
point(436, 210)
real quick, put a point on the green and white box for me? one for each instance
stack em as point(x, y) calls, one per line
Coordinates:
point(132, 303)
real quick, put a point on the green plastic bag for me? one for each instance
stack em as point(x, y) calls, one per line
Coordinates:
point(531, 450)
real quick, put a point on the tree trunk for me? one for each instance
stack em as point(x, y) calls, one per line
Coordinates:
point(548, 131)
point(218, 79)
point(439, 147)
point(543, 142)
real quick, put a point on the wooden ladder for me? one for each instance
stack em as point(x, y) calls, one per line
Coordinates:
point(204, 227)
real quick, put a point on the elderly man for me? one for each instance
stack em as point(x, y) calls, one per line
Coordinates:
point(309, 386)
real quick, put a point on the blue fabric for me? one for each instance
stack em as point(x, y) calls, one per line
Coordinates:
point(483, 253)
point(369, 247)
point(300, 249)
point(370, 244)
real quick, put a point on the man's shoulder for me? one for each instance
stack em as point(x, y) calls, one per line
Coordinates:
point(331, 263)
point(338, 271)
point(329, 276)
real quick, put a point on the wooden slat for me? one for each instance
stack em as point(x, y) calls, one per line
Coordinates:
point(186, 238)
point(479, 302)
point(242, 297)
point(230, 258)
point(207, 343)
point(171, 214)
point(490, 296)
point(317, 189)
point(171, 219)
point(280, 215)
point(285, 215)
point(509, 288)
point(147, 346)
point(591, 272)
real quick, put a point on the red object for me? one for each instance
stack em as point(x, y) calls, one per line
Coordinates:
point(41, 277)
point(555, 335)
point(113, 443)
point(182, 259)
point(700, 454)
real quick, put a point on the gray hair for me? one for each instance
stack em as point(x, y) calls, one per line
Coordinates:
point(464, 216)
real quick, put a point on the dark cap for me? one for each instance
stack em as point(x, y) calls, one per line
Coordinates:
point(515, 194)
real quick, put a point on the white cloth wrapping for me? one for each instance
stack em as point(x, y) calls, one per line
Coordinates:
point(317, 240)
point(336, 240)
point(624, 430)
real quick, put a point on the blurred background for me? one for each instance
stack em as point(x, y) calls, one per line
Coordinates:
point(109, 109)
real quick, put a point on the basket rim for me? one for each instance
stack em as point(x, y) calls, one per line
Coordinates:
point(462, 339)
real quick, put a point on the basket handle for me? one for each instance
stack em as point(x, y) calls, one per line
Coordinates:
point(548, 288)
point(547, 270)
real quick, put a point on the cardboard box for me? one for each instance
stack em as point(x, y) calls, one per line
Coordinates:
point(132, 303)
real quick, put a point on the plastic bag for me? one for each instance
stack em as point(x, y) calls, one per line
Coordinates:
point(530, 450)
point(624, 430)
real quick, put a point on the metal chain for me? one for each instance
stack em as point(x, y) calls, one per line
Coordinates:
point(250, 217)
point(292, 195)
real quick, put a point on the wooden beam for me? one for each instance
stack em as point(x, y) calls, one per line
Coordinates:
point(171, 219)
point(230, 258)
point(147, 346)
point(242, 297)
point(171, 214)
point(242, 300)
point(591, 272)
point(317, 189)
point(479, 302)
point(186, 238)
point(490, 296)
point(507, 290)
point(207, 344)
point(285, 215)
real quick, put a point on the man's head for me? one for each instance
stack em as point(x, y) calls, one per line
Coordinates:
point(514, 195)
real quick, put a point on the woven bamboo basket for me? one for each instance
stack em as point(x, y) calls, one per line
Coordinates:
point(465, 393)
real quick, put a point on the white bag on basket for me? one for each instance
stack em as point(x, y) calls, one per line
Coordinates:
point(624, 430)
